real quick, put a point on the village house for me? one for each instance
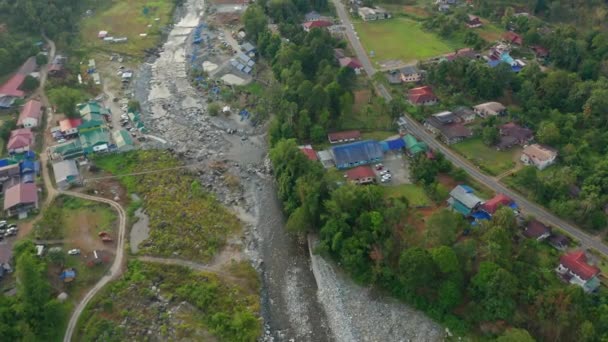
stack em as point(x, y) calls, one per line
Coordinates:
point(559, 242)
point(539, 156)
point(473, 21)
point(512, 134)
point(536, 230)
point(407, 74)
point(312, 16)
point(20, 140)
point(466, 115)
point(309, 25)
point(357, 153)
point(574, 268)
point(9, 91)
point(66, 174)
point(463, 200)
point(123, 141)
point(370, 14)
point(500, 200)
point(20, 199)
point(69, 127)
point(413, 146)
point(540, 52)
point(513, 38)
point(422, 96)
point(309, 152)
point(487, 109)
point(343, 137)
point(350, 62)
point(326, 158)
point(30, 114)
point(57, 66)
point(448, 126)
point(361, 175)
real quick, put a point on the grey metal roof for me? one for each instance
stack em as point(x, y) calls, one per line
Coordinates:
point(465, 197)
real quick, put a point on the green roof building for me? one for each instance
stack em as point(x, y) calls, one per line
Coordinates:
point(95, 140)
point(123, 140)
point(413, 146)
point(69, 150)
point(92, 107)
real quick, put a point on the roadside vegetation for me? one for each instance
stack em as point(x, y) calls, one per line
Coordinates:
point(488, 158)
point(149, 299)
point(185, 220)
point(33, 314)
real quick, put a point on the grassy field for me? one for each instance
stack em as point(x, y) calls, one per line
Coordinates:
point(401, 38)
point(127, 19)
point(489, 31)
point(75, 219)
point(216, 309)
point(184, 218)
point(487, 158)
point(414, 193)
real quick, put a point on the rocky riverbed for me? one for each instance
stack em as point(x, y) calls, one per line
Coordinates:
point(235, 167)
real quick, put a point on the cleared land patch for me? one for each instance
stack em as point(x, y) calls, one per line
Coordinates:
point(486, 157)
point(127, 19)
point(401, 38)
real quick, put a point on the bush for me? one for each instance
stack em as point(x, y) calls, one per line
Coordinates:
point(213, 109)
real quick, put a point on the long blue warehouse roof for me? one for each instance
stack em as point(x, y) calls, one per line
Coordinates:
point(395, 144)
point(357, 152)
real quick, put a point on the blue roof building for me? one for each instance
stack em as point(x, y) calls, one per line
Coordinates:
point(357, 153)
point(392, 145)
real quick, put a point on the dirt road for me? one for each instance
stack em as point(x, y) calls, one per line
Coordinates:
point(116, 268)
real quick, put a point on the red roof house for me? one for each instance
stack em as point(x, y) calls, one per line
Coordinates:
point(30, 114)
point(309, 152)
point(11, 87)
point(309, 25)
point(361, 175)
point(344, 136)
point(69, 126)
point(21, 140)
point(493, 204)
point(574, 268)
point(513, 38)
point(353, 63)
point(21, 198)
point(422, 96)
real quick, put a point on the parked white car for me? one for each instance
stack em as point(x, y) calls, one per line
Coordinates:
point(74, 251)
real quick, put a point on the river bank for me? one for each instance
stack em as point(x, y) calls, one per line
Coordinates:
point(293, 307)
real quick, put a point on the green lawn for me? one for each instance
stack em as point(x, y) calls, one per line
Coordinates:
point(414, 193)
point(487, 158)
point(128, 19)
point(401, 38)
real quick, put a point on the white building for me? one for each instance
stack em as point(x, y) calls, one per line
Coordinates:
point(538, 155)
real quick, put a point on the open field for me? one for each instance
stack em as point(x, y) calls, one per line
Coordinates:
point(414, 193)
point(487, 158)
point(75, 220)
point(401, 38)
point(489, 31)
point(127, 19)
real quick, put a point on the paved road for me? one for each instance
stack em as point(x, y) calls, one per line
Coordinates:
point(526, 205)
point(116, 268)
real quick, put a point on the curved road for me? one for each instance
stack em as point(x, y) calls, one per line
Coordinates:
point(527, 206)
point(116, 268)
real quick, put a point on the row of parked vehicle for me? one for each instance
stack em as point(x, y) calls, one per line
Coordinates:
point(7, 230)
point(385, 174)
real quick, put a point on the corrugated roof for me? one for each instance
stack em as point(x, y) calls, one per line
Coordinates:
point(65, 169)
point(31, 109)
point(20, 194)
point(357, 152)
point(465, 196)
